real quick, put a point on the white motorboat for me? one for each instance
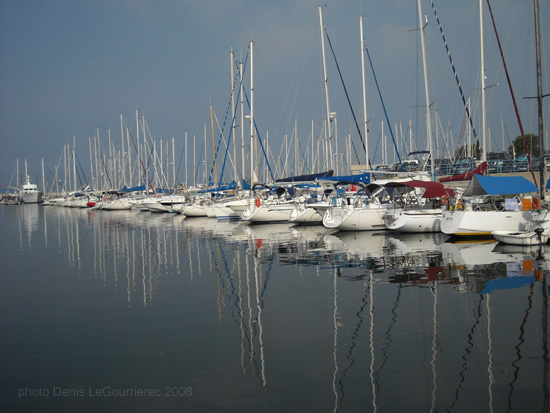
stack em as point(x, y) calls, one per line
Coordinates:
point(30, 194)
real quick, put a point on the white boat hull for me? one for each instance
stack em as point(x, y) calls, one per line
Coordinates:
point(413, 221)
point(520, 237)
point(117, 205)
point(193, 211)
point(369, 218)
point(305, 215)
point(32, 197)
point(267, 213)
point(468, 223)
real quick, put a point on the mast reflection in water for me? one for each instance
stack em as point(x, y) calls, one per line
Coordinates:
point(133, 310)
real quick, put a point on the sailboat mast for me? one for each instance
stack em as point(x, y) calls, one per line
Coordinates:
point(426, 89)
point(365, 120)
point(242, 118)
point(483, 113)
point(539, 100)
point(325, 81)
point(251, 114)
point(233, 110)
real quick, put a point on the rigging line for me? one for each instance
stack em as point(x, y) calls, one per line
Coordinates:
point(260, 139)
point(468, 351)
point(179, 163)
point(354, 340)
point(220, 140)
point(513, 96)
point(383, 105)
point(346, 92)
point(454, 72)
point(518, 346)
point(237, 103)
point(140, 160)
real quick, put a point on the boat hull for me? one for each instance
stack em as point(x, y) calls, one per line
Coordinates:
point(267, 213)
point(473, 223)
point(414, 221)
point(32, 197)
point(369, 218)
point(305, 215)
point(520, 237)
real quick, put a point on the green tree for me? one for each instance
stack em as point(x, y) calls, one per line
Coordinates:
point(533, 143)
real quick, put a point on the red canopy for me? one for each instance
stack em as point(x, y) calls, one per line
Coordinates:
point(433, 189)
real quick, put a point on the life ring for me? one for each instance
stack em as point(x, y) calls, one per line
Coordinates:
point(258, 202)
point(536, 204)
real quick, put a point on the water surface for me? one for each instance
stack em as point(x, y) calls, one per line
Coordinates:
point(116, 310)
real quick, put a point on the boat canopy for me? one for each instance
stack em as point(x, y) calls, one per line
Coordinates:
point(499, 185)
point(433, 189)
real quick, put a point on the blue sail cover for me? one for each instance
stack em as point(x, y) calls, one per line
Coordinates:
point(348, 179)
point(499, 185)
point(227, 187)
point(306, 178)
point(133, 189)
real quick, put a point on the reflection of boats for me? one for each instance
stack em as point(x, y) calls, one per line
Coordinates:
point(269, 233)
point(362, 244)
point(475, 253)
point(417, 242)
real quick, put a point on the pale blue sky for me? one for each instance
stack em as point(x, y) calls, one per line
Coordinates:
point(70, 67)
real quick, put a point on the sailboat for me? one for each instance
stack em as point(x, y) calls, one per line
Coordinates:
point(537, 230)
point(484, 207)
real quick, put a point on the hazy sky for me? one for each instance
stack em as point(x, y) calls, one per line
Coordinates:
point(69, 68)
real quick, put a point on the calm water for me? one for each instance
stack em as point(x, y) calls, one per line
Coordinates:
point(131, 311)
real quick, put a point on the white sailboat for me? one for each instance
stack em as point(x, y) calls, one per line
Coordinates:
point(360, 212)
point(419, 212)
point(537, 230)
point(478, 213)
